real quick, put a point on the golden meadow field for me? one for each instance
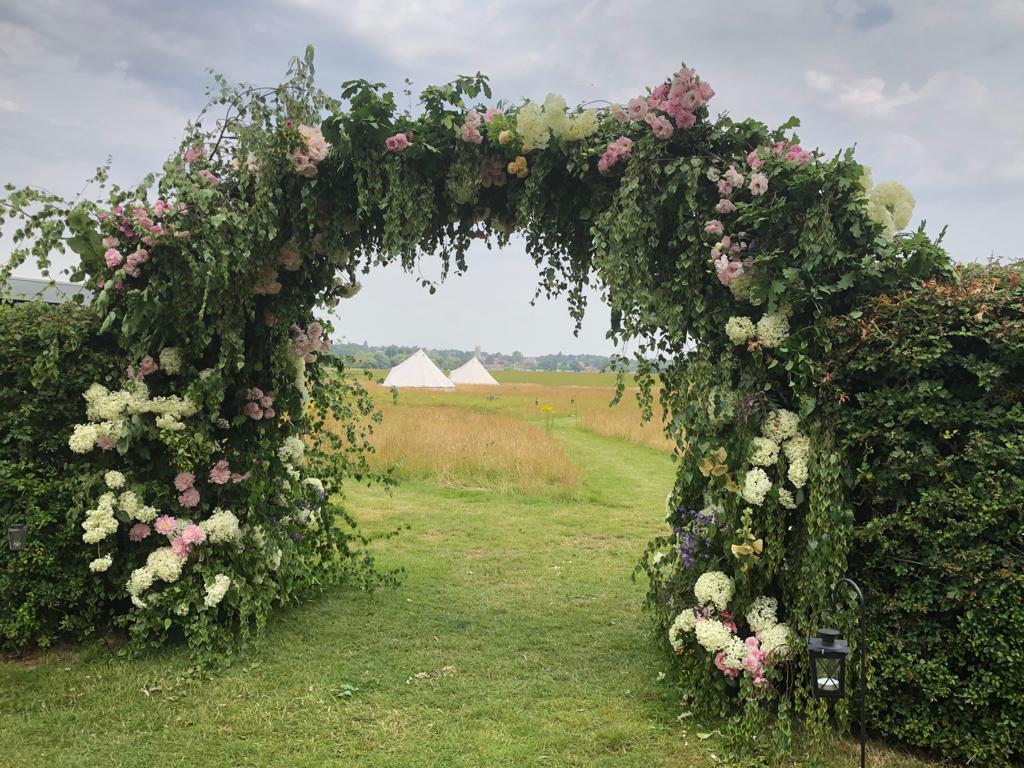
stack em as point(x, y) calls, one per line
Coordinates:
point(504, 438)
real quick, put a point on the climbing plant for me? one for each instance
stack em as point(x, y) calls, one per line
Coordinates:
point(724, 248)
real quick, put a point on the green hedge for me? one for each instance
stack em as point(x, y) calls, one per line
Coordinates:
point(934, 436)
point(49, 355)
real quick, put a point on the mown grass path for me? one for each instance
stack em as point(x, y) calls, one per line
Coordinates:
point(516, 639)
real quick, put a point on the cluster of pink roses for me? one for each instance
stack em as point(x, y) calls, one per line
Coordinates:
point(139, 228)
point(779, 149)
point(617, 152)
point(470, 130)
point(754, 659)
point(307, 343)
point(221, 473)
point(166, 525)
point(725, 254)
point(678, 98)
point(397, 142)
point(260, 405)
point(314, 150)
point(185, 482)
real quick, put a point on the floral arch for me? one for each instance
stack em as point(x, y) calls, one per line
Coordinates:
point(724, 247)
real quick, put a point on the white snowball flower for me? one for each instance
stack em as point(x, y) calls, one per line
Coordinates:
point(714, 587)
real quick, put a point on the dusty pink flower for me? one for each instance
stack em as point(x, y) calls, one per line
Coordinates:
point(724, 188)
point(798, 153)
point(160, 208)
point(209, 176)
point(725, 206)
point(254, 393)
point(473, 119)
point(269, 413)
point(110, 242)
point(728, 621)
point(714, 227)
point(253, 411)
point(491, 114)
point(138, 532)
point(753, 160)
point(720, 665)
point(113, 257)
point(619, 113)
point(104, 443)
point(758, 184)
point(661, 127)
point(165, 525)
point(685, 119)
point(220, 473)
point(705, 91)
point(184, 480)
point(267, 401)
point(180, 547)
point(189, 499)
point(193, 153)
point(636, 109)
point(193, 534)
point(397, 143)
point(237, 478)
point(734, 177)
point(470, 134)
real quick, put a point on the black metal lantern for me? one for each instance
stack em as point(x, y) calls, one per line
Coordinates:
point(17, 536)
point(828, 652)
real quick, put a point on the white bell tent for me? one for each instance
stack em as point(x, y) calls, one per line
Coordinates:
point(417, 370)
point(472, 372)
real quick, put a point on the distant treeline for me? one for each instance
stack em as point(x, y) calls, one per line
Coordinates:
point(366, 356)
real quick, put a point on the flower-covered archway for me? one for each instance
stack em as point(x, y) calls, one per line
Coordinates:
point(724, 248)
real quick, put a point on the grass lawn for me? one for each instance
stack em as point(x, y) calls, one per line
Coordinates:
point(516, 639)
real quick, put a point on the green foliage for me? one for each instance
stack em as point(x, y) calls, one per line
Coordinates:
point(928, 396)
point(48, 356)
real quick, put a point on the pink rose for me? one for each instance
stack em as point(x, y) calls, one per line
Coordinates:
point(253, 393)
point(636, 109)
point(110, 242)
point(269, 413)
point(397, 143)
point(113, 257)
point(266, 401)
point(220, 473)
point(253, 411)
point(753, 160)
point(237, 478)
point(160, 208)
point(194, 153)
point(734, 177)
point(798, 153)
point(728, 621)
point(179, 547)
point(720, 664)
point(661, 127)
point(193, 534)
point(104, 443)
point(470, 134)
point(705, 91)
point(138, 532)
point(758, 184)
point(184, 480)
point(473, 119)
point(725, 206)
point(189, 499)
point(165, 525)
point(491, 114)
point(714, 227)
point(685, 119)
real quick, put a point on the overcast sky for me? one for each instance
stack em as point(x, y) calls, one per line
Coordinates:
point(930, 92)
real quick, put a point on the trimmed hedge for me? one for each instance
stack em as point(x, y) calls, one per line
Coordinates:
point(49, 355)
point(933, 431)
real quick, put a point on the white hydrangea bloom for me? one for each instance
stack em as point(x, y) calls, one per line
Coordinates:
point(216, 591)
point(100, 564)
point(532, 127)
point(114, 479)
point(129, 503)
point(734, 653)
point(100, 522)
point(761, 614)
point(83, 439)
point(714, 587)
point(140, 580)
point(740, 329)
point(764, 451)
point(891, 205)
point(315, 483)
point(712, 635)
point(780, 425)
point(580, 126)
point(772, 330)
point(164, 564)
point(145, 513)
point(170, 360)
point(756, 486)
point(797, 450)
point(292, 451)
point(684, 622)
point(777, 641)
point(221, 527)
point(786, 499)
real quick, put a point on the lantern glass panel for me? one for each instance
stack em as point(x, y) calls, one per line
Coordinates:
point(829, 676)
point(17, 536)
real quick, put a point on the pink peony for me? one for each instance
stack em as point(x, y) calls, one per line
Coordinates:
point(220, 473)
point(758, 184)
point(636, 109)
point(753, 160)
point(113, 257)
point(138, 532)
point(190, 498)
point(714, 227)
point(470, 134)
point(397, 143)
point(165, 525)
point(193, 534)
point(491, 114)
point(253, 411)
point(184, 480)
point(179, 547)
point(725, 206)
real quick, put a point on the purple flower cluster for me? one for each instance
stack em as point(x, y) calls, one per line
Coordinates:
point(692, 532)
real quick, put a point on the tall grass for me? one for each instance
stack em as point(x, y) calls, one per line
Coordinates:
point(461, 448)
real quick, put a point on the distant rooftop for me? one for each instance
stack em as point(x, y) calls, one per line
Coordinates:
point(37, 289)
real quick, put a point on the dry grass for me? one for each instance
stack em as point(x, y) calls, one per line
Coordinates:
point(460, 448)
